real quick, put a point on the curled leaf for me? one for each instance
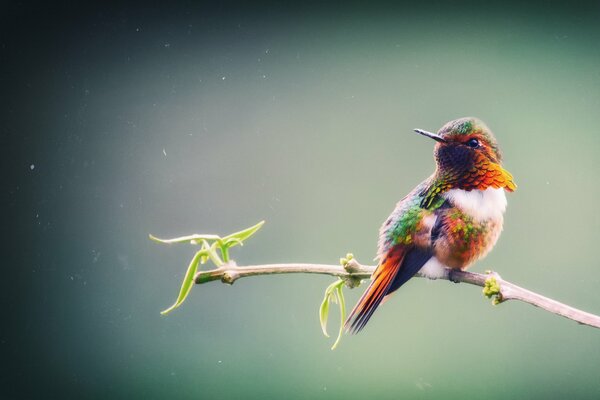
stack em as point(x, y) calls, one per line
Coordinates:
point(239, 237)
point(324, 314)
point(225, 244)
point(188, 281)
point(230, 242)
point(342, 302)
point(209, 251)
point(334, 294)
point(193, 239)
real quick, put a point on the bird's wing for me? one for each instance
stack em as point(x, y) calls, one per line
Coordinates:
point(414, 260)
point(402, 252)
point(397, 267)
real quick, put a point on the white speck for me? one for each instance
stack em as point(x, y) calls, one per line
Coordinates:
point(137, 29)
point(324, 388)
point(167, 45)
point(32, 167)
point(547, 182)
point(173, 373)
point(219, 361)
point(264, 76)
point(223, 78)
point(164, 152)
point(267, 51)
point(72, 277)
point(422, 384)
point(123, 261)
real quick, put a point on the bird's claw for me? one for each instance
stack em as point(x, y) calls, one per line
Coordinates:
point(452, 277)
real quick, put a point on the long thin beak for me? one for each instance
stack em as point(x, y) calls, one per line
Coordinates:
point(434, 136)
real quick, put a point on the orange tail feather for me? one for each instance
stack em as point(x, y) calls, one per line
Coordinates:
point(382, 279)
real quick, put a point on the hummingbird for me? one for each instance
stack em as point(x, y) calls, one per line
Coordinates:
point(449, 221)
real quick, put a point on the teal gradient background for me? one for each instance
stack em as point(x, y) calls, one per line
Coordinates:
point(121, 121)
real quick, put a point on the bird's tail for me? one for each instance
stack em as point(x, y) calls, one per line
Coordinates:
point(380, 286)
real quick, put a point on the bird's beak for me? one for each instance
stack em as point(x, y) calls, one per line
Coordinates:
point(434, 136)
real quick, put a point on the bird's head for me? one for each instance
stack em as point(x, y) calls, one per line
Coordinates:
point(468, 157)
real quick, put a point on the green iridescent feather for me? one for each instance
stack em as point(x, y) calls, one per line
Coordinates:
point(409, 212)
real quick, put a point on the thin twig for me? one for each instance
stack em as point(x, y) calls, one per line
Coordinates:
point(353, 272)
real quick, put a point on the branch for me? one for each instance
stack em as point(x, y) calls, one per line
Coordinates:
point(216, 249)
point(352, 273)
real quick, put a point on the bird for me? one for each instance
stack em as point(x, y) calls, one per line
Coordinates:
point(449, 221)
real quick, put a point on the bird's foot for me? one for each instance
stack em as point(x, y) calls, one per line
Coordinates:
point(452, 276)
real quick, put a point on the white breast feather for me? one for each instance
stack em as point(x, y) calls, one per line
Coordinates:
point(479, 204)
point(434, 269)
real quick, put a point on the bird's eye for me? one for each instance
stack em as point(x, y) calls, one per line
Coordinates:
point(473, 143)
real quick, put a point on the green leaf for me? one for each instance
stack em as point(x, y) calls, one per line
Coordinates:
point(324, 313)
point(188, 281)
point(342, 302)
point(193, 239)
point(207, 252)
point(333, 293)
point(211, 252)
point(230, 242)
point(225, 244)
point(239, 237)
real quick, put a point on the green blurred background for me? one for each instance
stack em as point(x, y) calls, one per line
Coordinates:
point(121, 121)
